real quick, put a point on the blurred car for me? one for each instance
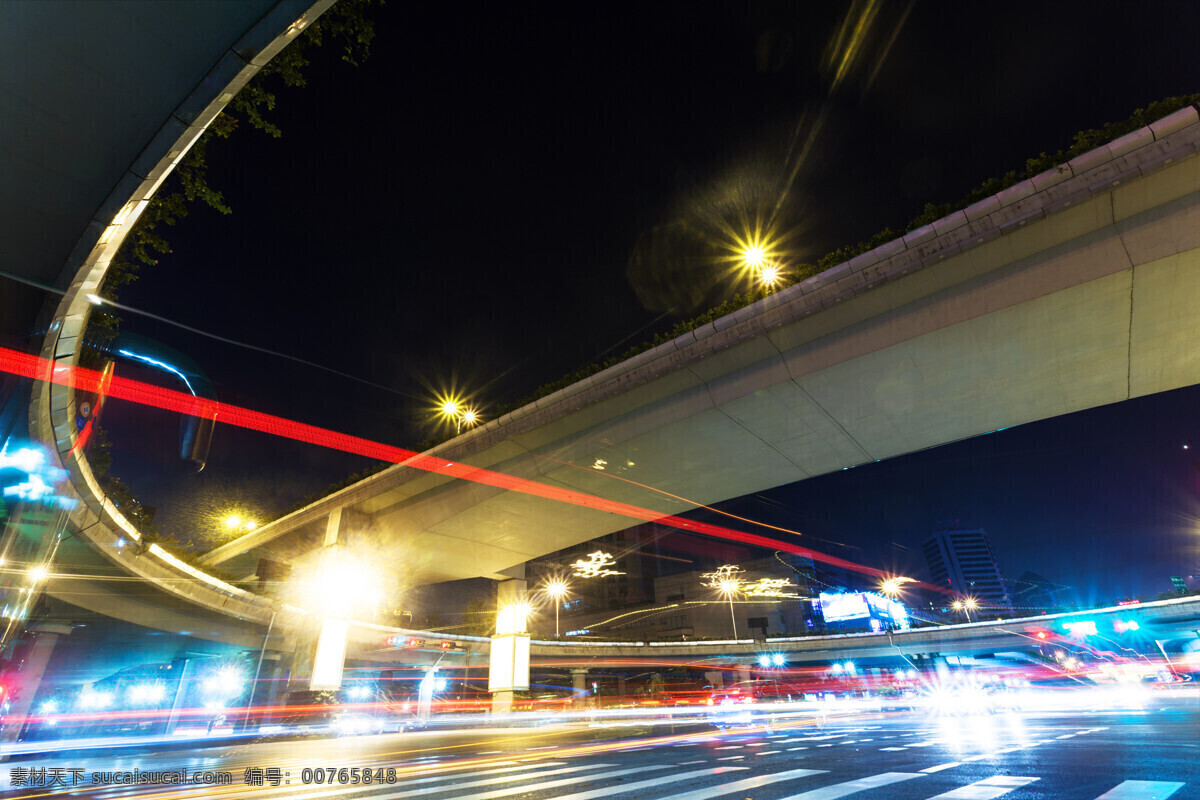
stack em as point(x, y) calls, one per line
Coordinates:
point(750, 702)
point(345, 714)
point(759, 691)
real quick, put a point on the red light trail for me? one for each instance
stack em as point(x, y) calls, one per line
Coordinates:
point(37, 368)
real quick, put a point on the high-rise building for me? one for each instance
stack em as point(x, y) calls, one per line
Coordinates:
point(962, 561)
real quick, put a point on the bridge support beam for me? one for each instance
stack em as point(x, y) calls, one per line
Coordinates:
point(508, 667)
point(579, 684)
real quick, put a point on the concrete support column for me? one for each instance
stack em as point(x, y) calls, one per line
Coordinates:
point(511, 592)
point(579, 684)
point(333, 526)
point(30, 660)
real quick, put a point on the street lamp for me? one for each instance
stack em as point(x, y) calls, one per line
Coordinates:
point(729, 587)
point(965, 605)
point(727, 583)
point(556, 590)
point(452, 409)
point(754, 256)
point(891, 586)
point(236, 522)
point(770, 276)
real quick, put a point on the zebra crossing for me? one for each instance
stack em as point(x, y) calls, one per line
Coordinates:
point(702, 779)
point(690, 781)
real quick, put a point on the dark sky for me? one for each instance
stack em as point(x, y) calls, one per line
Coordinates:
point(461, 210)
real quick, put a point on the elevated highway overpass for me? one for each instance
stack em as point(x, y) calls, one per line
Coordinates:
point(1168, 620)
point(1070, 290)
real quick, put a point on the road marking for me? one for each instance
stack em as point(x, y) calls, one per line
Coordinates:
point(1142, 790)
point(941, 767)
point(475, 773)
point(743, 785)
point(891, 749)
point(790, 749)
point(504, 779)
point(759, 744)
point(543, 747)
point(690, 763)
point(1065, 736)
point(633, 787)
point(729, 747)
point(986, 789)
point(979, 757)
point(731, 758)
point(850, 787)
point(531, 787)
point(767, 752)
point(824, 745)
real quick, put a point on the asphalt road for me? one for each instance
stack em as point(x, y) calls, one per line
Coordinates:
point(1142, 755)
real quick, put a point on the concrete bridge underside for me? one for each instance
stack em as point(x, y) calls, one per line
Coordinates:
point(1072, 290)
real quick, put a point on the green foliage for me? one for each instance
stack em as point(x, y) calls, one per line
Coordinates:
point(347, 25)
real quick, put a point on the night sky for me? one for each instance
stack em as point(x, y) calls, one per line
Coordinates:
point(463, 209)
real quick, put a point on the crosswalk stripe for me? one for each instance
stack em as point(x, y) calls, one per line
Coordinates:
point(498, 771)
point(859, 785)
point(986, 789)
point(1142, 790)
point(742, 785)
point(536, 787)
point(941, 767)
point(646, 784)
point(503, 779)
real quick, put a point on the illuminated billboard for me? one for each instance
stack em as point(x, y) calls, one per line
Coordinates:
point(839, 607)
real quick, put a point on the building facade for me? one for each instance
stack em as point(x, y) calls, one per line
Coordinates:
point(962, 562)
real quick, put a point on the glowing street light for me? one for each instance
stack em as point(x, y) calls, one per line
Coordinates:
point(556, 589)
point(754, 256)
point(891, 586)
point(236, 522)
point(512, 619)
point(965, 605)
point(727, 583)
point(770, 276)
point(453, 410)
point(340, 584)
